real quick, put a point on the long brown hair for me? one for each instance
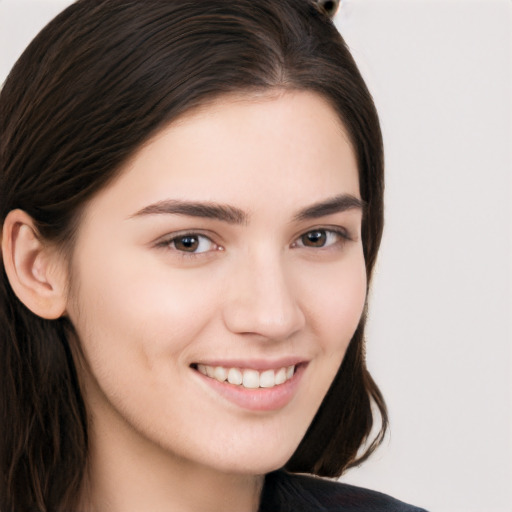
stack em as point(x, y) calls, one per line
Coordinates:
point(92, 87)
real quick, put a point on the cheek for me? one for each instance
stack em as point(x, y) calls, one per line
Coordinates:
point(130, 314)
point(336, 300)
point(137, 326)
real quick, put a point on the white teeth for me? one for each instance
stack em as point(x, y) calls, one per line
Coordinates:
point(248, 378)
point(235, 376)
point(251, 379)
point(267, 379)
point(281, 376)
point(220, 373)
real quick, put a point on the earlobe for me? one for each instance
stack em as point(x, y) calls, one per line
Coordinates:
point(33, 268)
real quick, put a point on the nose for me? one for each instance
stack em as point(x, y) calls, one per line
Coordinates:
point(262, 299)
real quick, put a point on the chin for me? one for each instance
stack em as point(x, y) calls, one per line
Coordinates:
point(257, 467)
point(257, 461)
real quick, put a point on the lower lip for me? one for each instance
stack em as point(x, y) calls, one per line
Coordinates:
point(259, 399)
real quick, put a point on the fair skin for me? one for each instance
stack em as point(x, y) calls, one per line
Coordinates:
point(231, 240)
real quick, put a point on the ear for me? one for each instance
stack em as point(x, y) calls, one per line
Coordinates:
point(34, 269)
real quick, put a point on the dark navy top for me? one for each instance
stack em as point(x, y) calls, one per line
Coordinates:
point(286, 492)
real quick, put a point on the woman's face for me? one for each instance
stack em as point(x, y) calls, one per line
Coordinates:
point(228, 248)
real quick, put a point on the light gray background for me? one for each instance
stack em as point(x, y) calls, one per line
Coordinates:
point(440, 331)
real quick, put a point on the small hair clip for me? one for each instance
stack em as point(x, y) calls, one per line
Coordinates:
point(330, 7)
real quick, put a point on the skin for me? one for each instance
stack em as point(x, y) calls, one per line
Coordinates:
point(145, 309)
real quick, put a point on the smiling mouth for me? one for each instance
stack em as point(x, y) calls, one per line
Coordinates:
point(248, 378)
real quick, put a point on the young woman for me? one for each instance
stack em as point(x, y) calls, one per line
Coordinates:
point(191, 202)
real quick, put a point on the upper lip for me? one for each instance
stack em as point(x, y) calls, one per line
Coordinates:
point(254, 363)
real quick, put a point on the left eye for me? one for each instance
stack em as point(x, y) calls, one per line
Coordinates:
point(318, 238)
point(192, 243)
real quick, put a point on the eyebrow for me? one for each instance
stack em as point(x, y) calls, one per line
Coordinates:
point(225, 213)
point(336, 204)
point(234, 215)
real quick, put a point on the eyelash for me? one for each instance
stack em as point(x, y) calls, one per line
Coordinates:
point(340, 234)
point(170, 242)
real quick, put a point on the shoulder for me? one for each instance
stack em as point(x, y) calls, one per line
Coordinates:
point(285, 492)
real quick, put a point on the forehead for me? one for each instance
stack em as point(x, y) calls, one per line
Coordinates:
point(289, 147)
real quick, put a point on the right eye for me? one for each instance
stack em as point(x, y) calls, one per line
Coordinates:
point(192, 243)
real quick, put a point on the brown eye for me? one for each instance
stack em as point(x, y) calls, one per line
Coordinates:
point(188, 243)
point(316, 238)
point(191, 243)
point(322, 238)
